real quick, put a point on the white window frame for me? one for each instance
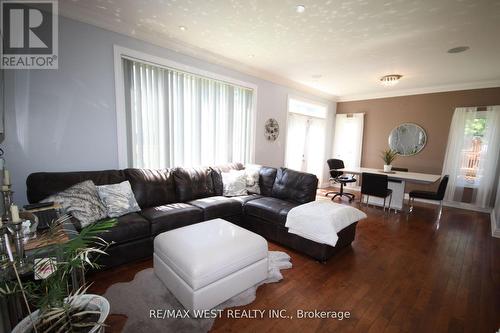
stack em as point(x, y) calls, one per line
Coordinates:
point(121, 52)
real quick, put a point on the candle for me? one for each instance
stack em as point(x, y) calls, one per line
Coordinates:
point(6, 177)
point(14, 212)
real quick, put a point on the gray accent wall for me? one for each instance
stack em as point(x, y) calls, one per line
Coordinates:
point(65, 119)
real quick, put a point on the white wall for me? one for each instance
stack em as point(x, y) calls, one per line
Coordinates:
point(65, 119)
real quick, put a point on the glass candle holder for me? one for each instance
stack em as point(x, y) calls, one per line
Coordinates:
point(7, 202)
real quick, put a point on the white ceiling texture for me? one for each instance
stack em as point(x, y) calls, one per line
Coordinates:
point(341, 48)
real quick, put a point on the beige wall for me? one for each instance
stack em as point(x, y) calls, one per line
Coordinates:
point(433, 112)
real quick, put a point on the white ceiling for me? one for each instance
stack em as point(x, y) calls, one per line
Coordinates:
point(339, 47)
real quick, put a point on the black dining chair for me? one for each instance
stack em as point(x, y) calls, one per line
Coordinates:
point(338, 177)
point(429, 195)
point(376, 185)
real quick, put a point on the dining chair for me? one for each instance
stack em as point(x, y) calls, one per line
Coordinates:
point(429, 195)
point(375, 185)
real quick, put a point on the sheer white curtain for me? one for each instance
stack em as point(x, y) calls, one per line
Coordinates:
point(348, 139)
point(472, 154)
point(179, 119)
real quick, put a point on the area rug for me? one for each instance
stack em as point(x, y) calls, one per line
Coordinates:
point(146, 292)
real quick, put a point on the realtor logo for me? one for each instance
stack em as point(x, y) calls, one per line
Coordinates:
point(29, 34)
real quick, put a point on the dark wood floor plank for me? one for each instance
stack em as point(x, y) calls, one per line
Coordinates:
point(403, 273)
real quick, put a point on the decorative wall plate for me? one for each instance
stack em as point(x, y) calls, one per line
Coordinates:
point(271, 129)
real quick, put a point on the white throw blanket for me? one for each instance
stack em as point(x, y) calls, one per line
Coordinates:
point(320, 221)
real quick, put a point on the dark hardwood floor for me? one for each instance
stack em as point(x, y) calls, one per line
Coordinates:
point(403, 273)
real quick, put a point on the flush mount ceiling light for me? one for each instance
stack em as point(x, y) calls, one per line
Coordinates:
point(390, 80)
point(458, 49)
point(300, 8)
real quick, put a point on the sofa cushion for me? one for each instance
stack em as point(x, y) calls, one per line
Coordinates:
point(152, 187)
point(40, 185)
point(128, 228)
point(243, 199)
point(172, 216)
point(193, 183)
point(295, 186)
point(234, 183)
point(269, 209)
point(82, 202)
point(118, 199)
point(266, 180)
point(217, 177)
point(218, 206)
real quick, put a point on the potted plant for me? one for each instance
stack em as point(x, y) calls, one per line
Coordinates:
point(61, 309)
point(388, 156)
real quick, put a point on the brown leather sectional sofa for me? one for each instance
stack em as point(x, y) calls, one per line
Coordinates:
point(173, 198)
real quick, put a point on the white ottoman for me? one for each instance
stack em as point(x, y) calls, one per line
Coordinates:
point(207, 263)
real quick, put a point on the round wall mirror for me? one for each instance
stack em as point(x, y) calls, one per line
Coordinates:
point(407, 139)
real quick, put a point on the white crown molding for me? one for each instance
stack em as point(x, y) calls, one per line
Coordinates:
point(419, 91)
point(178, 46)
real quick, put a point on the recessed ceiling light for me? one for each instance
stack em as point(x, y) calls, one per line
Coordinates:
point(300, 8)
point(390, 80)
point(316, 76)
point(182, 28)
point(458, 49)
point(251, 55)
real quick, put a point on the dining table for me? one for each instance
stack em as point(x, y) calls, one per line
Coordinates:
point(397, 181)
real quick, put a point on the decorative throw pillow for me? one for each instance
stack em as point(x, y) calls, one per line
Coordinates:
point(118, 199)
point(234, 183)
point(252, 180)
point(82, 202)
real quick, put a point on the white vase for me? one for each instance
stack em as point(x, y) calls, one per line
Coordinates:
point(94, 301)
point(387, 168)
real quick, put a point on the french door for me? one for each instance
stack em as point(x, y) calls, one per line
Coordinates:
point(306, 139)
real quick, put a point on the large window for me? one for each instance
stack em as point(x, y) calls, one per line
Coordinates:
point(177, 118)
point(472, 156)
point(348, 139)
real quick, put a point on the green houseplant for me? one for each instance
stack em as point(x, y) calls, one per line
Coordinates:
point(61, 307)
point(388, 156)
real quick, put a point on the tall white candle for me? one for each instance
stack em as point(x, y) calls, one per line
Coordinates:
point(6, 177)
point(14, 212)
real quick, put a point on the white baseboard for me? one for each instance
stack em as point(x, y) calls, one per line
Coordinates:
point(495, 230)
